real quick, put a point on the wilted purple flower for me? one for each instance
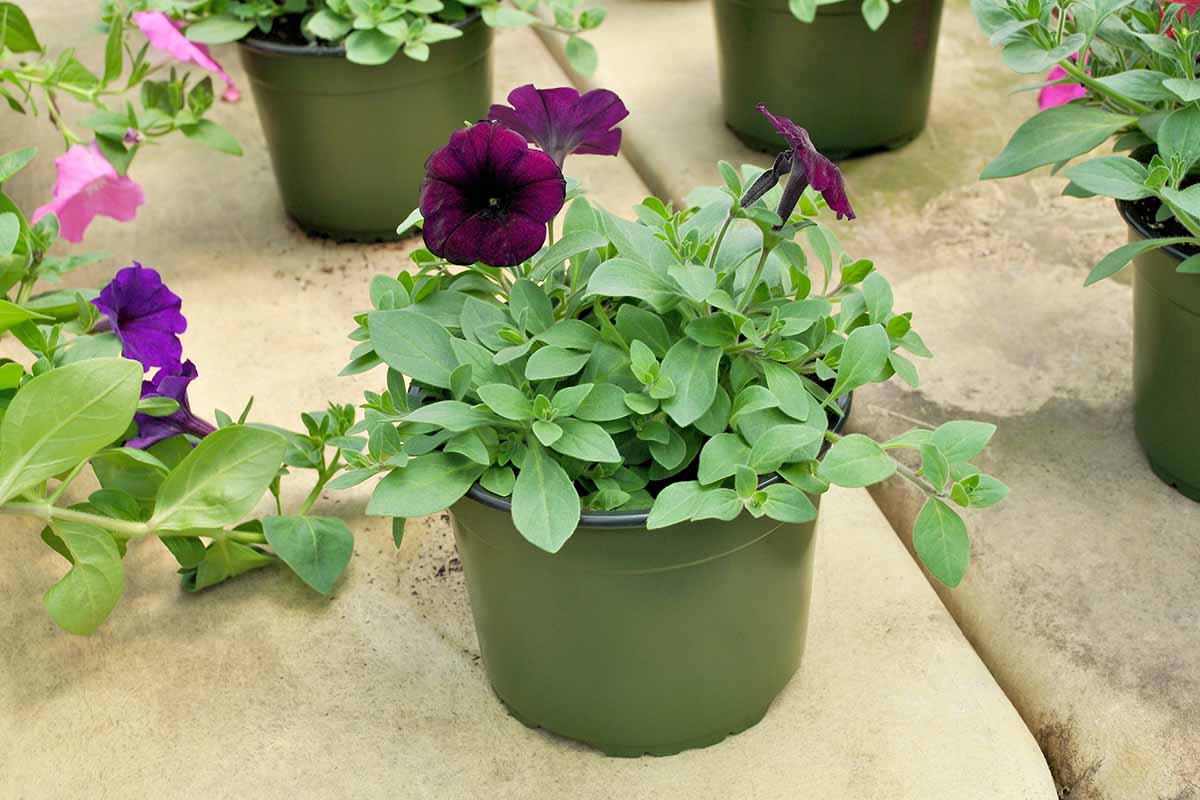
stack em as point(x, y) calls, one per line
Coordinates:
point(561, 122)
point(145, 315)
point(487, 197)
point(174, 385)
point(805, 167)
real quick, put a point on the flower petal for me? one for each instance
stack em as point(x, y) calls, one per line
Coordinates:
point(87, 186)
point(172, 384)
point(821, 173)
point(164, 34)
point(562, 122)
point(1059, 94)
point(145, 315)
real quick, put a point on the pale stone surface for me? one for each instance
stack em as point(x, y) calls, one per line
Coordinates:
point(261, 688)
point(1084, 592)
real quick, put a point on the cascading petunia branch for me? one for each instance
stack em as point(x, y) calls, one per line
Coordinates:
point(373, 31)
point(689, 364)
point(1120, 72)
point(92, 177)
point(105, 391)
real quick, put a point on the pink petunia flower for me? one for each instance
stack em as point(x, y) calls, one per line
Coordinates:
point(1059, 94)
point(164, 34)
point(87, 186)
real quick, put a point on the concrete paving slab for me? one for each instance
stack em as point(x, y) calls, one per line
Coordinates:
point(1083, 595)
point(261, 688)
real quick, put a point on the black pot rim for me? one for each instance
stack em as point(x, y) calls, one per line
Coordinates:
point(323, 51)
point(1128, 212)
point(634, 519)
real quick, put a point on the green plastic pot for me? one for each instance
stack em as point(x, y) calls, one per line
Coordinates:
point(1166, 360)
point(854, 89)
point(348, 142)
point(634, 641)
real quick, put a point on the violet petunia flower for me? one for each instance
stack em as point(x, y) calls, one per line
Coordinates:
point(804, 167)
point(487, 197)
point(174, 385)
point(1060, 93)
point(562, 122)
point(86, 186)
point(164, 34)
point(145, 315)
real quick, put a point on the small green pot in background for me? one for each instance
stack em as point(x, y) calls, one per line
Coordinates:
point(638, 641)
point(1166, 359)
point(854, 89)
point(348, 142)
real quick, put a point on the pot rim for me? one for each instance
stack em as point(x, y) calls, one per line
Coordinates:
point(326, 51)
point(635, 519)
point(1126, 209)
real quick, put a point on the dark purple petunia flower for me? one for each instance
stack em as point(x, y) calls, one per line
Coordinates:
point(805, 167)
point(487, 197)
point(561, 122)
point(145, 316)
point(172, 384)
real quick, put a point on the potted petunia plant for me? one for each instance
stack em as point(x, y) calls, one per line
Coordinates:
point(99, 443)
point(860, 74)
point(1124, 74)
point(93, 174)
point(632, 423)
point(336, 83)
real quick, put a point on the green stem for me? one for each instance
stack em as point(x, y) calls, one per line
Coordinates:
point(550, 232)
point(323, 477)
point(712, 256)
point(120, 528)
point(748, 294)
point(901, 469)
point(1087, 80)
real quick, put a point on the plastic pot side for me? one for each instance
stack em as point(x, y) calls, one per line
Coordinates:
point(1166, 362)
point(854, 89)
point(348, 142)
point(637, 641)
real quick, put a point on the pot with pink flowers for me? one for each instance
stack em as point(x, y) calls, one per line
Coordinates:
point(352, 94)
point(632, 423)
point(1125, 75)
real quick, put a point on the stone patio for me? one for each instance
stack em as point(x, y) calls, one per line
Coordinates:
point(1084, 609)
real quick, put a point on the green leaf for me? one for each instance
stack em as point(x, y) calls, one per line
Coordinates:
point(713, 330)
point(18, 33)
point(430, 483)
point(1115, 261)
point(581, 55)
point(671, 453)
point(498, 480)
point(545, 504)
point(572, 334)
point(212, 135)
point(697, 282)
point(507, 401)
point(63, 417)
point(785, 444)
point(371, 47)
point(12, 315)
point(604, 403)
point(962, 440)
point(788, 388)
point(803, 10)
point(624, 277)
point(986, 491)
point(554, 362)
point(1116, 176)
point(1179, 136)
point(855, 461)
point(188, 550)
point(87, 594)
point(788, 504)
point(745, 481)
point(1056, 134)
point(1026, 56)
point(874, 12)
point(863, 356)
point(676, 503)
point(134, 472)
point(14, 162)
point(326, 25)
point(547, 432)
point(634, 322)
point(940, 539)
point(219, 29)
point(413, 345)
point(225, 559)
point(934, 465)
point(528, 301)
point(692, 367)
point(220, 481)
point(720, 457)
point(586, 441)
point(316, 548)
point(1186, 90)
point(570, 245)
point(452, 415)
point(1138, 84)
point(567, 401)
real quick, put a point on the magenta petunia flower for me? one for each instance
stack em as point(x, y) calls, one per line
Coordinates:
point(145, 315)
point(164, 34)
point(487, 197)
point(805, 167)
point(1060, 94)
point(562, 122)
point(86, 186)
point(172, 384)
